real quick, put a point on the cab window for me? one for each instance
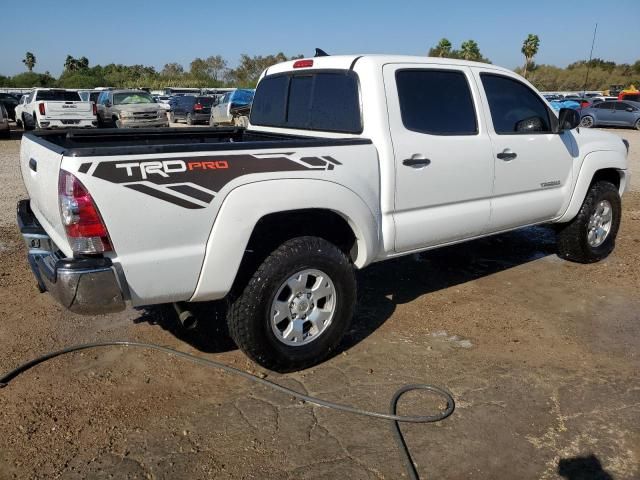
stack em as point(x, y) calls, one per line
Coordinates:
point(515, 108)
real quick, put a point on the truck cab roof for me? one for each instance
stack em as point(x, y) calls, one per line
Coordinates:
point(348, 62)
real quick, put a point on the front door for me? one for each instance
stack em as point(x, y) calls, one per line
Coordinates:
point(443, 157)
point(533, 165)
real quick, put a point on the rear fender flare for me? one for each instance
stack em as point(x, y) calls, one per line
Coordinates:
point(246, 204)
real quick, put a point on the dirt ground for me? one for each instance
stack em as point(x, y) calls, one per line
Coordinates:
point(540, 354)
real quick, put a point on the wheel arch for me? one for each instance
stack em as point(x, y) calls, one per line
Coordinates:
point(245, 224)
point(601, 165)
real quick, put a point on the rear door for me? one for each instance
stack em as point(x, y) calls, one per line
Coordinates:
point(533, 165)
point(443, 156)
point(604, 113)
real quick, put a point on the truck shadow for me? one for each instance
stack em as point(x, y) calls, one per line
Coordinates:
point(383, 286)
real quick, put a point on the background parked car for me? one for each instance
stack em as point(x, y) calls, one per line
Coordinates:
point(55, 108)
point(5, 130)
point(221, 113)
point(10, 102)
point(621, 114)
point(192, 109)
point(130, 108)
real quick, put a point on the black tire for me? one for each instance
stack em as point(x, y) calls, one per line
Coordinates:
point(116, 122)
point(249, 315)
point(172, 118)
point(5, 133)
point(189, 120)
point(25, 124)
point(572, 239)
point(637, 125)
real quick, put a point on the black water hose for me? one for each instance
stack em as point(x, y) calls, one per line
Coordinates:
point(392, 416)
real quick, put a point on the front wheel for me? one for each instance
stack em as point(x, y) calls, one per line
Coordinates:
point(297, 306)
point(637, 125)
point(587, 121)
point(591, 235)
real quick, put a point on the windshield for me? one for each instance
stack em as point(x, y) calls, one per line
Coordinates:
point(130, 98)
point(58, 96)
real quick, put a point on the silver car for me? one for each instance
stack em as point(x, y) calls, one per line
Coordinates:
point(617, 114)
point(130, 108)
point(222, 112)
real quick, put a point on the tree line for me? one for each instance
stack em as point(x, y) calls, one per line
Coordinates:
point(602, 73)
point(214, 71)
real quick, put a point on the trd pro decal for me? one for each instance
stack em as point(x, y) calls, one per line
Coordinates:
point(194, 182)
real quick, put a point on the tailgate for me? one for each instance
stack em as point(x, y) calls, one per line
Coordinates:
point(40, 168)
point(68, 110)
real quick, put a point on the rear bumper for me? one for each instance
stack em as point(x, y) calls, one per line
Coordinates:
point(67, 123)
point(86, 286)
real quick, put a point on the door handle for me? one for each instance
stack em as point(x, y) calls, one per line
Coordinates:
point(33, 164)
point(507, 155)
point(416, 161)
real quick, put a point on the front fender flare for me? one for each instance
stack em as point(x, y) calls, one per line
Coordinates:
point(594, 161)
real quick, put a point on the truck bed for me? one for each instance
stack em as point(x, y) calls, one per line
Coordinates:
point(83, 143)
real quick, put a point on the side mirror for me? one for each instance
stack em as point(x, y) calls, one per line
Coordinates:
point(107, 104)
point(629, 109)
point(568, 119)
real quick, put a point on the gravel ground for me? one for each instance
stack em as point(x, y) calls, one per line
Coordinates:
point(541, 355)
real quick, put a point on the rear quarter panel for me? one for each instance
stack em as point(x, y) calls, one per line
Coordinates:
point(160, 223)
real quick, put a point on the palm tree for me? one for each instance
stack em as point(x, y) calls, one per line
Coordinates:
point(70, 63)
point(469, 50)
point(444, 47)
point(529, 50)
point(29, 61)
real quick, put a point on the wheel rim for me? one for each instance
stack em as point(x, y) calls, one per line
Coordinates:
point(303, 308)
point(600, 224)
point(587, 122)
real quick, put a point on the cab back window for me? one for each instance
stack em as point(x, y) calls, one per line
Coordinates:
point(58, 96)
point(325, 101)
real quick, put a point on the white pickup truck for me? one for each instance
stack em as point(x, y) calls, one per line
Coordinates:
point(348, 160)
point(55, 108)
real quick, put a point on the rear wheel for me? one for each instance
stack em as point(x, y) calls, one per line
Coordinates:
point(591, 235)
point(296, 308)
point(587, 121)
point(27, 124)
point(189, 119)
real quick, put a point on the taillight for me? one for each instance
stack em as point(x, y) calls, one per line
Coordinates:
point(197, 106)
point(94, 108)
point(303, 64)
point(80, 216)
point(41, 108)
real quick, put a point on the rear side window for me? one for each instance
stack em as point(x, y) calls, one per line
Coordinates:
point(437, 102)
point(58, 96)
point(325, 101)
point(511, 102)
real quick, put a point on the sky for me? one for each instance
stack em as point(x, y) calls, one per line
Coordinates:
point(160, 31)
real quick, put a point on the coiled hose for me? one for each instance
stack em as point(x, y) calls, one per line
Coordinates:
point(392, 416)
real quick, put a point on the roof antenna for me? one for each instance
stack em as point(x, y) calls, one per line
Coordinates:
point(584, 88)
point(321, 53)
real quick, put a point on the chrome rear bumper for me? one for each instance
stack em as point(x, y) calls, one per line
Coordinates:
point(87, 286)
